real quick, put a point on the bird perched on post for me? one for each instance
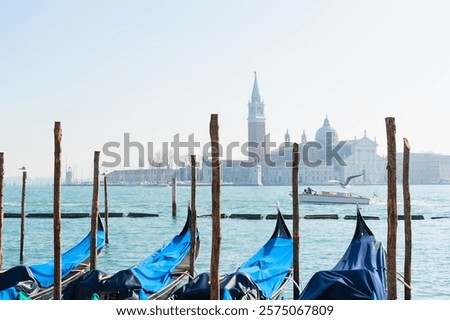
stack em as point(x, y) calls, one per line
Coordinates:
point(345, 184)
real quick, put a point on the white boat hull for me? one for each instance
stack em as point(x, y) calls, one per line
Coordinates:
point(333, 198)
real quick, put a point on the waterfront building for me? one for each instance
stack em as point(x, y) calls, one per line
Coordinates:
point(357, 156)
point(141, 176)
point(273, 167)
point(256, 122)
point(69, 176)
point(425, 168)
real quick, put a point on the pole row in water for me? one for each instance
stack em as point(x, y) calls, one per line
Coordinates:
point(215, 212)
point(105, 188)
point(22, 216)
point(193, 217)
point(57, 293)
point(407, 218)
point(94, 212)
point(296, 219)
point(391, 256)
point(393, 215)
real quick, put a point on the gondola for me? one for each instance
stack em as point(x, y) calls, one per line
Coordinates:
point(359, 275)
point(36, 281)
point(262, 277)
point(154, 278)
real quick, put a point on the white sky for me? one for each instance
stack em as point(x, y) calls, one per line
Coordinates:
point(157, 68)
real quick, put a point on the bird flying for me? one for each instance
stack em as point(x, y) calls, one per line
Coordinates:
point(347, 181)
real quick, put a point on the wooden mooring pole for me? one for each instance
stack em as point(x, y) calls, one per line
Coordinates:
point(174, 197)
point(215, 212)
point(57, 293)
point(295, 219)
point(392, 217)
point(94, 212)
point(105, 188)
point(22, 215)
point(2, 213)
point(407, 221)
point(193, 218)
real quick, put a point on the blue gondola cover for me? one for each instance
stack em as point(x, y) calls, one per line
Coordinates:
point(258, 278)
point(138, 282)
point(359, 275)
point(30, 279)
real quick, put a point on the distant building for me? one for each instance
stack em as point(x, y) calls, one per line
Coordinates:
point(142, 176)
point(425, 168)
point(246, 172)
point(69, 176)
point(234, 172)
point(358, 156)
point(355, 156)
point(256, 123)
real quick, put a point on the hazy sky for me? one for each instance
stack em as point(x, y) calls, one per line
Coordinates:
point(157, 68)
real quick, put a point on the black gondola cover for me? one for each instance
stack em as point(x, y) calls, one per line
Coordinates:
point(359, 275)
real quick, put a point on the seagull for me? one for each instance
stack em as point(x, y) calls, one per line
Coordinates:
point(23, 168)
point(345, 184)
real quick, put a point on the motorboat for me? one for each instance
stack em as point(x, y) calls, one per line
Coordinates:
point(332, 197)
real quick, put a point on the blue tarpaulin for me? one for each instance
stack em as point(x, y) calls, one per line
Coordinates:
point(359, 275)
point(44, 273)
point(9, 294)
point(40, 276)
point(260, 277)
point(138, 282)
point(270, 266)
point(155, 272)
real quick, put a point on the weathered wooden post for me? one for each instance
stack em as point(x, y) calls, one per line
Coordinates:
point(57, 293)
point(392, 218)
point(407, 220)
point(94, 212)
point(105, 188)
point(22, 214)
point(215, 212)
point(193, 217)
point(2, 214)
point(174, 197)
point(296, 218)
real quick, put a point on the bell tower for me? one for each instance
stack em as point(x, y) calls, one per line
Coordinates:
point(256, 124)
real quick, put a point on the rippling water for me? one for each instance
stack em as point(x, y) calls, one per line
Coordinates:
point(322, 242)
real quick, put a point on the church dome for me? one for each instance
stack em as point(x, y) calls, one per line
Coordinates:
point(321, 134)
